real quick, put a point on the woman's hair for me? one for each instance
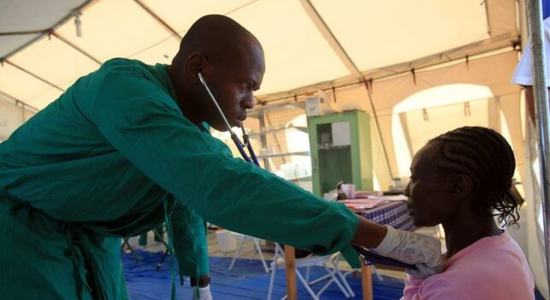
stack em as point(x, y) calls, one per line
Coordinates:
point(485, 156)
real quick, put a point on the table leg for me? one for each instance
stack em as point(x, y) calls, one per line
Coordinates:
point(290, 268)
point(366, 281)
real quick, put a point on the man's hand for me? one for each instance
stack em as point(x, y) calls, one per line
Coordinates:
point(412, 248)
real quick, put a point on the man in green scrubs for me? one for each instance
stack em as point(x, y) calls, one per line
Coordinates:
point(126, 148)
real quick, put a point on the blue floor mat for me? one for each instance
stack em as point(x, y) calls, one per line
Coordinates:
point(247, 280)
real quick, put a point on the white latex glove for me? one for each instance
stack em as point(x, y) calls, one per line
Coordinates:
point(203, 294)
point(412, 248)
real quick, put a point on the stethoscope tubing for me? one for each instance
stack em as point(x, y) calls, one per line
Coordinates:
point(366, 254)
point(215, 103)
point(240, 146)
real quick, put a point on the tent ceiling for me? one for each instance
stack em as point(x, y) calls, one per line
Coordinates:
point(28, 15)
point(377, 37)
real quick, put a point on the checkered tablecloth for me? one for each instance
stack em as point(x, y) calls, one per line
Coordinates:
point(395, 214)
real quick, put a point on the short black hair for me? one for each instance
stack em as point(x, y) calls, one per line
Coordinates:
point(216, 36)
point(485, 156)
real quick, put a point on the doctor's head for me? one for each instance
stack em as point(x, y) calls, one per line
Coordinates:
point(231, 61)
point(469, 171)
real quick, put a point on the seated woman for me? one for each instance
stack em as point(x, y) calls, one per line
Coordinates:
point(458, 180)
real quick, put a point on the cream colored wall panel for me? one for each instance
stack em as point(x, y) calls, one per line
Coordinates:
point(162, 52)
point(45, 98)
point(373, 33)
point(20, 85)
point(442, 119)
point(11, 117)
point(54, 61)
point(10, 43)
point(180, 14)
point(381, 33)
point(14, 15)
point(296, 53)
point(115, 28)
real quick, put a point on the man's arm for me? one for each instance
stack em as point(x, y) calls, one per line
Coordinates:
point(190, 243)
point(144, 124)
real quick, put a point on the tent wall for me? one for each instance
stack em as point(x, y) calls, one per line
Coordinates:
point(492, 71)
point(48, 56)
point(503, 112)
point(535, 235)
point(12, 115)
point(299, 56)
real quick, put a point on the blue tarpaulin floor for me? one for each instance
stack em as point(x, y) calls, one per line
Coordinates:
point(247, 280)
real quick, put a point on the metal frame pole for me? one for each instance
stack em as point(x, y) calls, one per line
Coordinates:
point(542, 108)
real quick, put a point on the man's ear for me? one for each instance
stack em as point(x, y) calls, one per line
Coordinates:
point(193, 65)
point(462, 186)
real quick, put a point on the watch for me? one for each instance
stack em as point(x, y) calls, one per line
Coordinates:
point(204, 280)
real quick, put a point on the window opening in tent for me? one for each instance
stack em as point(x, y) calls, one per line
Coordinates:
point(225, 137)
point(424, 100)
point(505, 131)
point(539, 209)
point(375, 182)
point(298, 167)
point(377, 152)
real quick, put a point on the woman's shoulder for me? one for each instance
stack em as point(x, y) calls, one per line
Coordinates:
point(487, 250)
point(492, 261)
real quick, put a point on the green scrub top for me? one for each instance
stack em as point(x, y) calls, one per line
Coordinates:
point(110, 158)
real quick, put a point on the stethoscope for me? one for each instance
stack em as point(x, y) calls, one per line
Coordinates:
point(365, 253)
point(252, 158)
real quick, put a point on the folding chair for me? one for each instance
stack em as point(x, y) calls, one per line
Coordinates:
point(242, 238)
point(159, 237)
point(334, 275)
point(125, 242)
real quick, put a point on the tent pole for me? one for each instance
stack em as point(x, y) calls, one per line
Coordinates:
point(379, 130)
point(540, 94)
point(34, 75)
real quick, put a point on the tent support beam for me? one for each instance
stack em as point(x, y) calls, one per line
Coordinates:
point(303, 90)
point(33, 75)
point(45, 32)
point(346, 59)
point(25, 32)
point(486, 3)
point(32, 41)
point(405, 128)
point(159, 19)
point(542, 108)
point(378, 129)
point(69, 43)
point(331, 39)
point(17, 102)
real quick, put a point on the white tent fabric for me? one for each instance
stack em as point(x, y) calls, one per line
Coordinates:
point(535, 224)
point(366, 54)
point(305, 42)
point(12, 115)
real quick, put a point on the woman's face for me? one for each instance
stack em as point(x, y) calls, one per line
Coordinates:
point(429, 193)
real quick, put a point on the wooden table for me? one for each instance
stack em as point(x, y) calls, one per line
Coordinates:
point(395, 214)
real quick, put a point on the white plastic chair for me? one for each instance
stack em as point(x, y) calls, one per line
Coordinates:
point(334, 275)
point(242, 238)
